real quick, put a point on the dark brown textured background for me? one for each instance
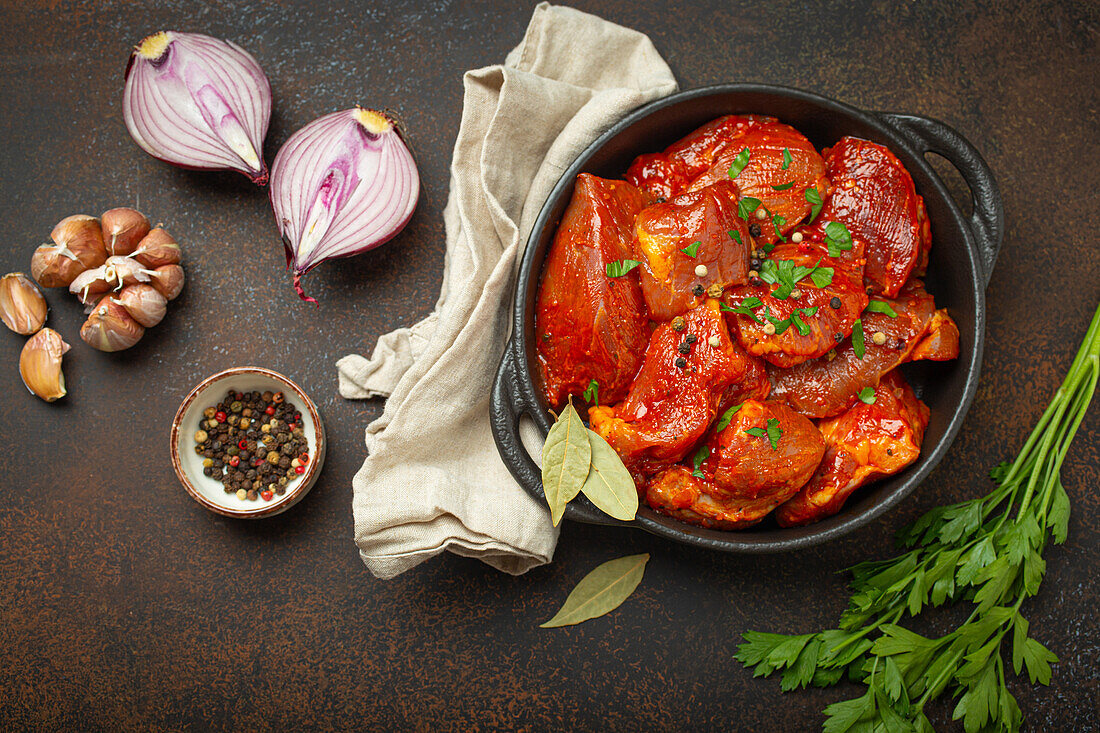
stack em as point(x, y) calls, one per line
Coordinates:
point(126, 606)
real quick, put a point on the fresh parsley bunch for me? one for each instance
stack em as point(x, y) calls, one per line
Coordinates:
point(987, 552)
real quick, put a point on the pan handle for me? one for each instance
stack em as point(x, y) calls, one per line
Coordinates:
point(507, 405)
point(987, 222)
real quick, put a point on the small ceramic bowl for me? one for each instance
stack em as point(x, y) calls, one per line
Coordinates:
point(188, 464)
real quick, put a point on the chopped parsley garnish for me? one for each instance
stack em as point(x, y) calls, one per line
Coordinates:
point(778, 221)
point(867, 395)
point(786, 274)
point(745, 308)
point(783, 186)
point(592, 393)
point(857, 338)
point(813, 198)
point(727, 418)
point(772, 432)
point(697, 460)
point(620, 268)
point(746, 205)
point(837, 238)
point(735, 236)
point(692, 249)
point(879, 306)
point(786, 160)
point(739, 163)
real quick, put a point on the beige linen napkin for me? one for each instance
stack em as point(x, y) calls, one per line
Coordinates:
point(433, 480)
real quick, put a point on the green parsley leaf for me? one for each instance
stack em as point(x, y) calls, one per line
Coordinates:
point(857, 338)
point(773, 432)
point(745, 308)
point(780, 325)
point(727, 418)
point(620, 268)
point(867, 395)
point(822, 276)
point(739, 163)
point(813, 198)
point(837, 238)
point(756, 432)
point(592, 393)
point(778, 221)
point(692, 249)
point(735, 235)
point(796, 320)
point(746, 206)
point(783, 186)
point(786, 158)
point(697, 460)
point(881, 306)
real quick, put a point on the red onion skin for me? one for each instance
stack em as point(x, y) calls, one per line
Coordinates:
point(318, 178)
point(245, 86)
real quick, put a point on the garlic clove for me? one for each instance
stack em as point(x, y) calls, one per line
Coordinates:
point(144, 304)
point(90, 285)
point(22, 307)
point(123, 229)
point(110, 327)
point(168, 280)
point(55, 266)
point(156, 249)
point(40, 364)
point(128, 271)
point(82, 236)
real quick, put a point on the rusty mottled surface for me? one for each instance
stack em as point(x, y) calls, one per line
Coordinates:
point(125, 606)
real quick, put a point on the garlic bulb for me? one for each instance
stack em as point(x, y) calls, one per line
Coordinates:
point(123, 228)
point(144, 304)
point(110, 327)
point(198, 102)
point(158, 248)
point(40, 364)
point(22, 307)
point(168, 280)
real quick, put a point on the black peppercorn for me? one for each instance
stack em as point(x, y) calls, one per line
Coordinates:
point(681, 362)
point(835, 302)
point(697, 289)
point(754, 264)
point(900, 346)
point(838, 337)
point(754, 229)
point(691, 338)
point(684, 348)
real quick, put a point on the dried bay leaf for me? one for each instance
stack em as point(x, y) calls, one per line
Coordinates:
point(601, 591)
point(566, 457)
point(609, 485)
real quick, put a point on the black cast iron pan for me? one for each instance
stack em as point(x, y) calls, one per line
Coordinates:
point(964, 250)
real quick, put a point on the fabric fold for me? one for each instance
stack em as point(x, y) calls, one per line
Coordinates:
point(433, 480)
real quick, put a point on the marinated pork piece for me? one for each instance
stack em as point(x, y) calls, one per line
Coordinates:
point(689, 245)
point(867, 442)
point(589, 325)
point(743, 476)
point(828, 386)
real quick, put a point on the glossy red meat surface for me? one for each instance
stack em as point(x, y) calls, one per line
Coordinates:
point(708, 218)
point(705, 156)
point(866, 442)
point(588, 325)
point(743, 477)
point(828, 386)
point(873, 195)
point(669, 407)
point(785, 348)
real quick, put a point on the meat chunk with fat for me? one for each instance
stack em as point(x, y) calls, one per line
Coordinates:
point(761, 458)
point(828, 386)
point(865, 443)
point(689, 244)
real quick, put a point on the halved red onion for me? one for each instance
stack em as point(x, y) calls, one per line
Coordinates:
point(341, 185)
point(198, 102)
